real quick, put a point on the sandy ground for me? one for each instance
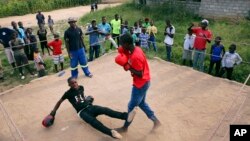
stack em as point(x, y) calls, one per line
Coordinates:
point(57, 15)
point(192, 106)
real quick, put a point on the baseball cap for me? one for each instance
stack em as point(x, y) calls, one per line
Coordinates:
point(205, 21)
point(71, 19)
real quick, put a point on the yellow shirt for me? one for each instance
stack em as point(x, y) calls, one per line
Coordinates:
point(116, 26)
point(152, 30)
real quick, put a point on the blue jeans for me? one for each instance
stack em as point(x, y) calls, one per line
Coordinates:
point(78, 56)
point(169, 51)
point(138, 98)
point(152, 40)
point(199, 57)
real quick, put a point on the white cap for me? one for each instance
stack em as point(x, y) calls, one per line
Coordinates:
point(205, 21)
point(71, 19)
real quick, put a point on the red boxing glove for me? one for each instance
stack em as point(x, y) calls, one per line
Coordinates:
point(48, 121)
point(121, 59)
point(126, 67)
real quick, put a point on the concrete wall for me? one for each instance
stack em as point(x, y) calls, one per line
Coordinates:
point(224, 8)
point(190, 5)
point(214, 8)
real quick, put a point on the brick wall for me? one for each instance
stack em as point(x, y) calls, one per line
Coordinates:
point(214, 8)
point(224, 8)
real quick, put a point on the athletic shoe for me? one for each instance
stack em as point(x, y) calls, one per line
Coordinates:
point(131, 114)
point(116, 135)
point(22, 77)
point(90, 75)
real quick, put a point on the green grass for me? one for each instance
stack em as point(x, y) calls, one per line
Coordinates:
point(231, 31)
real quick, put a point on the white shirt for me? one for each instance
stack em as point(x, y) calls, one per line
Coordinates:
point(230, 59)
point(168, 40)
point(188, 41)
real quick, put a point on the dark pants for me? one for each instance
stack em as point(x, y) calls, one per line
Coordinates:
point(89, 115)
point(44, 45)
point(21, 59)
point(94, 50)
point(217, 67)
point(229, 72)
point(169, 52)
point(117, 37)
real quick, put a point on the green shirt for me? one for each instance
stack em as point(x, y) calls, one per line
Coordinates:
point(116, 26)
point(146, 25)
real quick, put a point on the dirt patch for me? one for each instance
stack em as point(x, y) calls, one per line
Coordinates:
point(192, 106)
point(61, 14)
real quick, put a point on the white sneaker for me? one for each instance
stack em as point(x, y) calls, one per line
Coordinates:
point(116, 135)
point(22, 77)
point(131, 114)
point(35, 74)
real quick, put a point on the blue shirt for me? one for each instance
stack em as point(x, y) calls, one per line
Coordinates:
point(105, 28)
point(144, 40)
point(20, 33)
point(5, 36)
point(216, 52)
point(93, 37)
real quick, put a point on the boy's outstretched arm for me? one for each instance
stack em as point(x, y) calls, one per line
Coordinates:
point(53, 112)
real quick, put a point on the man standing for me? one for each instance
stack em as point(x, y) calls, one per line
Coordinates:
point(5, 37)
point(40, 18)
point(105, 28)
point(203, 35)
point(116, 29)
point(169, 38)
point(73, 37)
point(138, 66)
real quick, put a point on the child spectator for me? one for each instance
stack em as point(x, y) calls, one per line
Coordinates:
point(135, 38)
point(229, 60)
point(92, 7)
point(169, 38)
point(217, 52)
point(56, 45)
point(152, 30)
point(137, 31)
point(51, 24)
point(125, 28)
point(146, 23)
point(39, 63)
point(94, 32)
point(96, 6)
point(32, 41)
point(42, 35)
point(144, 39)
point(17, 46)
point(188, 48)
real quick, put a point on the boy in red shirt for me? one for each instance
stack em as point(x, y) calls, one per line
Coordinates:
point(138, 66)
point(56, 45)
